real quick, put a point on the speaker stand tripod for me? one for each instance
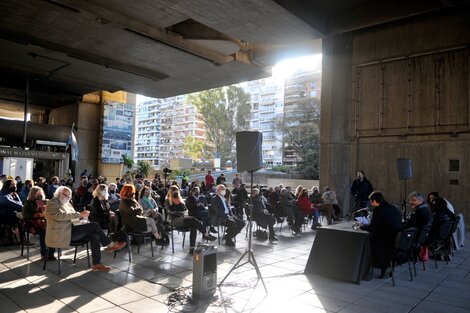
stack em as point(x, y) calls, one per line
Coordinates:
point(249, 251)
point(403, 205)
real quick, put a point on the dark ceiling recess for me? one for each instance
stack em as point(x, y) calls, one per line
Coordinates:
point(163, 48)
point(63, 6)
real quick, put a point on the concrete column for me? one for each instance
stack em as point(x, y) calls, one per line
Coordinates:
point(336, 168)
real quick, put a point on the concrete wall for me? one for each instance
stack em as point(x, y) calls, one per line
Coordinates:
point(399, 90)
point(85, 116)
point(87, 137)
point(65, 116)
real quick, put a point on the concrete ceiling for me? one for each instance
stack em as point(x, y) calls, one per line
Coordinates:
point(163, 48)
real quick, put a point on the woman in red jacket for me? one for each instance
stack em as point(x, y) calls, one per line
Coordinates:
point(307, 208)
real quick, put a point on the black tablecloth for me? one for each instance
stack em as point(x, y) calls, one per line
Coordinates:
point(340, 252)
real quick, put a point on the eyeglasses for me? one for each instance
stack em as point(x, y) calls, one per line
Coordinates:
point(68, 197)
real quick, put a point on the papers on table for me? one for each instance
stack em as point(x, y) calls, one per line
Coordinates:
point(363, 220)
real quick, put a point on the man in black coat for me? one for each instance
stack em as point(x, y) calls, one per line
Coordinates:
point(361, 189)
point(220, 210)
point(383, 228)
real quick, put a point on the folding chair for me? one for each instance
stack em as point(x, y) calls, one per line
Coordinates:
point(403, 246)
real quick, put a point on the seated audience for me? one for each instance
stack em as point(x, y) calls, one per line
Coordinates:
point(298, 190)
point(421, 214)
point(274, 201)
point(316, 197)
point(221, 211)
point(28, 184)
point(53, 185)
point(19, 184)
point(237, 180)
point(114, 197)
point(34, 218)
point(221, 179)
point(149, 205)
point(85, 200)
point(240, 199)
point(307, 209)
point(100, 211)
point(60, 231)
point(441, 215)
point(177, 213)
point(329, 197)
point(133, 218)
point(289, 208)
point(383, 228)
point(195, 205)
point(10, 203)
point(434, 194)
point(261, 215)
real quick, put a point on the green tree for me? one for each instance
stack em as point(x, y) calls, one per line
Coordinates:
point(193, 148)
point(225, 111)
point(301, 133)
point(128, 162)
point(144, 168)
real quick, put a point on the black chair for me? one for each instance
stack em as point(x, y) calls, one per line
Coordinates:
point(403, 247)
point(171, 229)
point(215, 222)
point(442, 244)
point(76, 244)
point(24, 237)
point(139, 237)
point(420, 240)
point(452, 231)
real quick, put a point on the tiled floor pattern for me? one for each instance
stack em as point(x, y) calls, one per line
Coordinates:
point(145, 284)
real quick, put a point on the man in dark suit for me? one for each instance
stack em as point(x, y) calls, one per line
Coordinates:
point(383, 228)
point(221, 210)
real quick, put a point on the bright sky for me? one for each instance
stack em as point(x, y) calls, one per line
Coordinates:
point(288, 67)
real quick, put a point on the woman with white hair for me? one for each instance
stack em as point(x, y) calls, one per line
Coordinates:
point(261, 215)
point(102, 214)
point(60, 231)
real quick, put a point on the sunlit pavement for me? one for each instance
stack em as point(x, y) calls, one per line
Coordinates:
point(144, 285)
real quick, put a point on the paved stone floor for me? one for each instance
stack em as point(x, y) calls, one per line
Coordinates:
point(145, 284)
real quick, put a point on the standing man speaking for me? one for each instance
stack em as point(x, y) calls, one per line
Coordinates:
point(360, 190)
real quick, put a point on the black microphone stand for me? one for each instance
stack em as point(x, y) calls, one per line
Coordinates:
point(249, 251)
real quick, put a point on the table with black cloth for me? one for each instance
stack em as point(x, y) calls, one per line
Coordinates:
point(341, 252)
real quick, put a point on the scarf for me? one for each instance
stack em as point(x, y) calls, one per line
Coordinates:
point(148, 202)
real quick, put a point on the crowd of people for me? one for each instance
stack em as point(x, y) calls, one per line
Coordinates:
point(59, 213)
point(56, 211)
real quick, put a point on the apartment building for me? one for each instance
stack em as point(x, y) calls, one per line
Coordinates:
point(298, 89)
point(148, 132)
point(266, 111)
point(162, 125)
